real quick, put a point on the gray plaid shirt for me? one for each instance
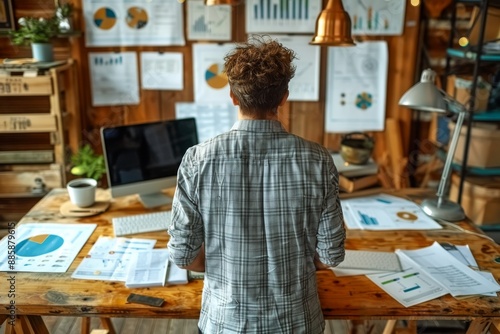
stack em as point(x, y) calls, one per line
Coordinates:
point(264, 201)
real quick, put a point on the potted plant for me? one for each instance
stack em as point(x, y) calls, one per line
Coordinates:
point(86, 163)
point(38, 32)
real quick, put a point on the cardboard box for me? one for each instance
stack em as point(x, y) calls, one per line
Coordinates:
point(459, 87)
point(480, 198)
point(484, 145)
point(492, 28)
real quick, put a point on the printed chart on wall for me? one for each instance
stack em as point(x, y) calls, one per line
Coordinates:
point(210, 81)
point(162, 71)
point(208, 22)
point(304, 86)
point(211, 119)
point(281, 16)
point(47, 247)
point(113, 78)
point(125, 22)
point(376, 17)
point(356, 87)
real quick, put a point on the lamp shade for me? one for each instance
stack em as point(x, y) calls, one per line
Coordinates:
point(424, 96)
point(221, 2)
point(333, 26)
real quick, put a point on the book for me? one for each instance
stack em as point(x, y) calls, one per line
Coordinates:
point(148, 268)
point(357, 183)
point(351, 170)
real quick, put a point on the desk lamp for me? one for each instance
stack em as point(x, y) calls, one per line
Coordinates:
point(425, 96)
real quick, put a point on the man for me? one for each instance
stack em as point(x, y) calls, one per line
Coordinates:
point(257, 208)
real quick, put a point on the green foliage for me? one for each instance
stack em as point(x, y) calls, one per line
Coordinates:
point(35, 30)
point(64, 10)
point(87, 163)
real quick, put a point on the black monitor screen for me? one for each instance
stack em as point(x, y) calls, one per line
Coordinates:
point(148, 151)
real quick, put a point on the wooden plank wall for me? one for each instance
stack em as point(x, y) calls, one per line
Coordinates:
point(305, 119)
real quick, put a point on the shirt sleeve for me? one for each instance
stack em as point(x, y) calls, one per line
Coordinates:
point(331, 229)
point(186, 229)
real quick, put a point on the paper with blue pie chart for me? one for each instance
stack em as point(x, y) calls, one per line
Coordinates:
point(356, 87)
point(44, 247)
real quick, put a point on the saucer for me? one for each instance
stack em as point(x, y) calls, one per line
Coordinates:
point(68, 209)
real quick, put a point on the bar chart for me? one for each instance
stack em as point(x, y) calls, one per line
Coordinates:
point(282, 15)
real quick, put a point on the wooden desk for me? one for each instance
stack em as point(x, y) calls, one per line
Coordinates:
point(354, 297)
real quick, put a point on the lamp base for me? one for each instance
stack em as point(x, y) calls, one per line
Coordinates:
point(444, 209)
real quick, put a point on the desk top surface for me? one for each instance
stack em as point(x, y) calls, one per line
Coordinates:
point(352, 297)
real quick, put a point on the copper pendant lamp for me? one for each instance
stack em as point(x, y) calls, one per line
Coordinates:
point(222, 2)
point(333, 26)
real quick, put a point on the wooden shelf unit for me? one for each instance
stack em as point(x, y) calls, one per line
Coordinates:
point(39, 128)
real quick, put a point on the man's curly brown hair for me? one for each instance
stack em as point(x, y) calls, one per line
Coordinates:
point(259, 72)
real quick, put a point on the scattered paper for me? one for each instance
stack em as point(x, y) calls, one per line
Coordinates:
point(385, 212)
point(456, 277)
point(409, 287)
point(109, 258)
point(148, 268)
point(47, 247)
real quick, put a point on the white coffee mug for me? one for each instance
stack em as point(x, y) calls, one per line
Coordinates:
point(82, 192)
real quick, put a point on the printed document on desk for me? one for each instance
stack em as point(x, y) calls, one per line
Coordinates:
point(43, 248)
point(432, 272)
point(455, 276)
point(148, 268)
point(409, 287)
point(109, 258)
point(385, 212)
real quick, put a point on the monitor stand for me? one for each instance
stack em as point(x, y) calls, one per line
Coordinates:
point(154, 200)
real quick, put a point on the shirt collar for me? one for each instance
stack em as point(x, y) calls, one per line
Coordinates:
point(258, 126)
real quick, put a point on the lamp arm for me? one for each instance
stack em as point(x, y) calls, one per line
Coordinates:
point(452, 104)
point(449, 157)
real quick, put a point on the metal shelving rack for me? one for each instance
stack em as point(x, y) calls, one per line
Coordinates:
point(478, 58)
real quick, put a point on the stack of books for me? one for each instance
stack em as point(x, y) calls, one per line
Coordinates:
point(355, 177)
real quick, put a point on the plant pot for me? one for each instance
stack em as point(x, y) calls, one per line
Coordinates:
point(42, 51)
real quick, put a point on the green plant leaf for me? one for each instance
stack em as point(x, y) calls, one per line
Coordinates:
point(87, 163)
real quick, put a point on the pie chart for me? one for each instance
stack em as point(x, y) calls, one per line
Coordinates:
point(137, 17)
point(104, 18)
point(38, 245)
point(364, 100)
point(214, 76)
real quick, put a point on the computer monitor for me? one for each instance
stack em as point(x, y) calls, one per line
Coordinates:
point(143, 158)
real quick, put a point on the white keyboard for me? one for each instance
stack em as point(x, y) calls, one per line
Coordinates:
point(141, 223)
